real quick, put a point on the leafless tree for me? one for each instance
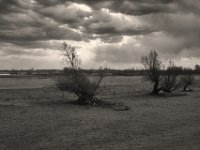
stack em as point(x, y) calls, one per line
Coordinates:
point(152, 63)
point(167, 82)
point(77, 82)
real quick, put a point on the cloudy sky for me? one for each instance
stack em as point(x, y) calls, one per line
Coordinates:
point(114, 33)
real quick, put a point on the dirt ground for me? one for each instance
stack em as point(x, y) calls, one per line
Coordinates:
point(35, 115)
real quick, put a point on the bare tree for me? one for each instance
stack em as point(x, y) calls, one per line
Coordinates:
point(77, 82)
point(153, 65)
point(167, 82)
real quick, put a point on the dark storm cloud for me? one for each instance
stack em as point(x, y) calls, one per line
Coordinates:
point(17, 52)
point(7, 50)
point(34, 34)
point(171, 26)
point(45, 45)
point(178, 33)
point(9, 6)
point(42, 20)
point(136, 7)
point(64, 13)
point(59, 10)
point(111, 31)
point(191, 6)
point(32, 27)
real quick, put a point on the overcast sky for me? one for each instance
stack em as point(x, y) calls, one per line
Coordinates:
point(114, 33)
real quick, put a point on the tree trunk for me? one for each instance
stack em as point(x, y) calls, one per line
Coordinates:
point(185, 87)
point(155, 88)
point(164, 90)
point(86, 99)
point(83, 100)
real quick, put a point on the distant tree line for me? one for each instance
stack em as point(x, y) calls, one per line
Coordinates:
point(127, 72)
point(107, 71)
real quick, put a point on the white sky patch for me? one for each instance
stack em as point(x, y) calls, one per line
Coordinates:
point(81, 7)
point(66, 26)
point(119, 65)
point(29, 1)
point(106, 10)
point(88, 18)
point(76, 30)
point(85, 52)
point(127, 18)
point(187, 62)
point(132, 39)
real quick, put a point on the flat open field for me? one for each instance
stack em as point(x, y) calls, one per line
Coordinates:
point(35, 115)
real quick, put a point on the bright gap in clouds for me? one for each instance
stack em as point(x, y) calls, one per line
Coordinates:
point(81, 6)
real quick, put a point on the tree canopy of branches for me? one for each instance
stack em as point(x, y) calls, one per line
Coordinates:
point(77, 82)
point(169, 81)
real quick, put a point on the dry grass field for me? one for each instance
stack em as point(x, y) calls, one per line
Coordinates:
point(35, 115)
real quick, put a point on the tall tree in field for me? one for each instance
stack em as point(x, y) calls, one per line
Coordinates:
point(76, 81)
point(152, 63)
point(168, 81)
